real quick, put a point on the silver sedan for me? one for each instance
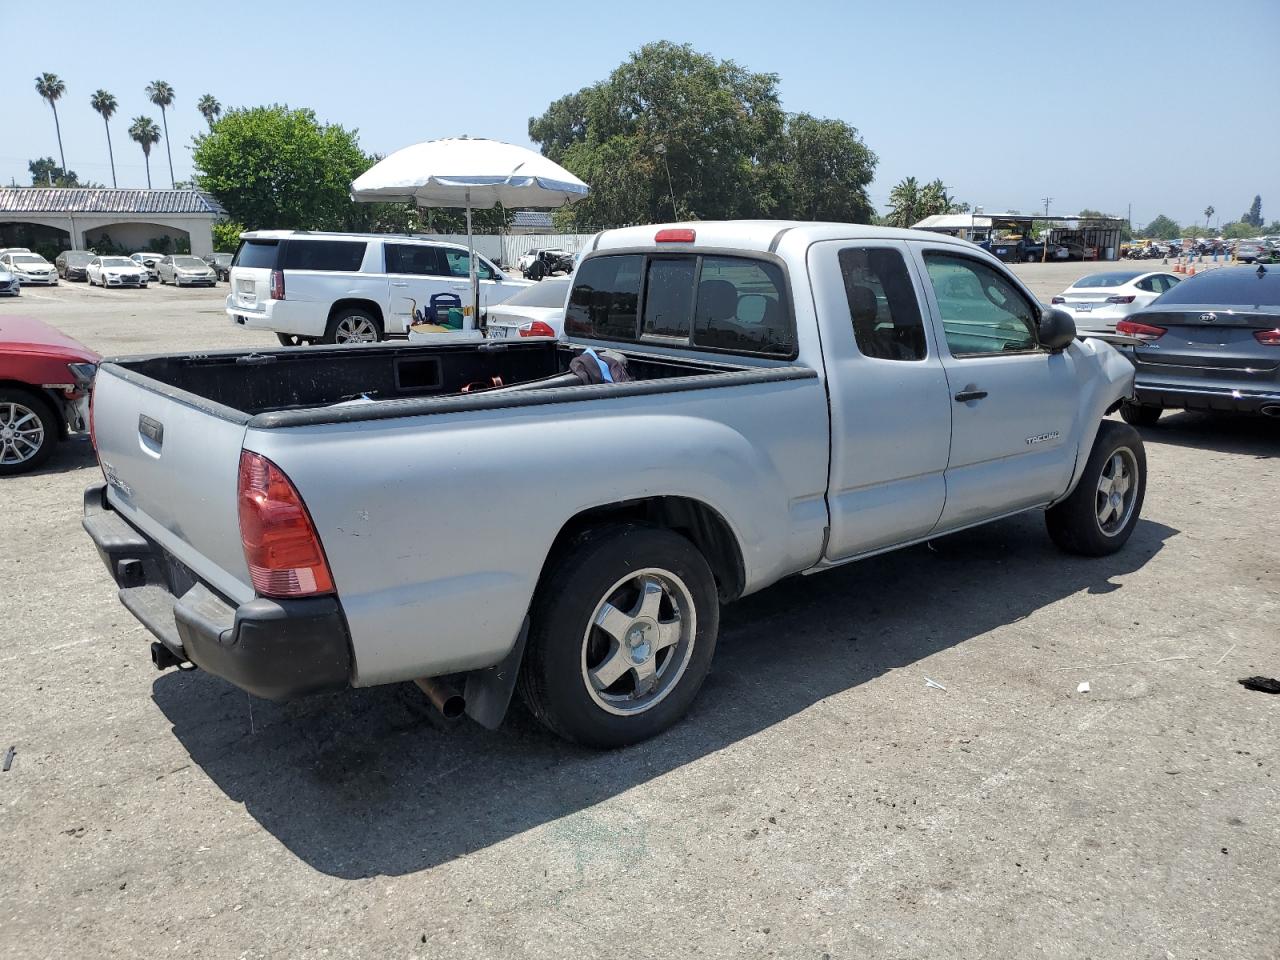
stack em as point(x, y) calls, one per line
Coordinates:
point(184, 271)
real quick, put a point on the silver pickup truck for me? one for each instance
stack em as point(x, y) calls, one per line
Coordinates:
point(799, 396)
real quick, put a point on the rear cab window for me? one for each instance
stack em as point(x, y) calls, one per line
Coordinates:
point(734, 304)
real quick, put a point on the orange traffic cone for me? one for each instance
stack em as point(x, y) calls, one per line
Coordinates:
point(1177, 267)
point(1191, 272)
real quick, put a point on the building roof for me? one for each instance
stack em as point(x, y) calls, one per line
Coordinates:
point(93, 200)
point(952, 221)
point(536, 219)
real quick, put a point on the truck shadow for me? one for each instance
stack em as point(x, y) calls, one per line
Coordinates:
point(1250, 436)
point(365, 783)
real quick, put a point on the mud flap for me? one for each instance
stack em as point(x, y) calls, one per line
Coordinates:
point(488, 691)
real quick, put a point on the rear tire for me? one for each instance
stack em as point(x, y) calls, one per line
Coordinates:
point(353, 325)
point(1099, 516)
point(622, 631)
point(293, 340)
point(28, 431)
point(1140, 415)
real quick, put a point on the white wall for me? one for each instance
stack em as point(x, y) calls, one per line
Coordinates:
point(507, 249)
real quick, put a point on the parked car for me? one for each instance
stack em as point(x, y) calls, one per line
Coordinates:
point(1248, 251)
point(529, 257)
point(1097, 301)
point(220, 264)
point(45, 378)
point(1078, 249)
point(29, 268)
point(148, 261)
point(350, 288)
point(1210, 343)
point(548, 263)
point(10, 285)
point(185, 271)
point(537, 311)
point(115, 272)
point(72, 264)
point(752, 400)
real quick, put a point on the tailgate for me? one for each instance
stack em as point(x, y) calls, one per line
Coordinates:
point(171, 470)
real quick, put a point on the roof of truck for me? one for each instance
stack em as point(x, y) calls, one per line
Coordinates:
point(761, 235)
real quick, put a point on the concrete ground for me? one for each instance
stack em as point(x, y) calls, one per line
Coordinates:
point(820, 801)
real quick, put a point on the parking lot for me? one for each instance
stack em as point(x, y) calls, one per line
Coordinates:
point(891, 759)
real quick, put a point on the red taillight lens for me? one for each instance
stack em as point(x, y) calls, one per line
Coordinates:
point(675, 235)
point(1120, 299)
point(280, 542)
point(1058, 300)
point(1269, 338)
point(1143, 331)
point(277, 284)
point(536, 328)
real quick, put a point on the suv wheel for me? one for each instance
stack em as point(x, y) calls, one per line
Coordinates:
point(28, 431)
point(353, 325)
point(293, 340)
point(1099, 516)
point(622, 631)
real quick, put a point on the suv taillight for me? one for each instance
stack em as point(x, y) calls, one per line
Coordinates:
point(1143, 331)
point(280, 542)
point(277, 284)
point(1268, 338)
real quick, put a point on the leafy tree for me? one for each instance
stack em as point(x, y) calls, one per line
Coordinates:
point(1239, 230)
point(105, 104)
point(1208, 215)
point(1162, 228)
point(226, 235)
point(144, 132)
point(673, 133)
point(904, 203)
point(209, 108)
point(1254, 216)
point(51, 88)
point(934, 199)
point(45, 171)
point(161, 94)
point(1272, 227)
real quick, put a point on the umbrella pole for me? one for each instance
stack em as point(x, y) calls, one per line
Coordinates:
point(474, 271)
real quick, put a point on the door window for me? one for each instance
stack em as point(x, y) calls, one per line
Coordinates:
point(1148, 285)
point(982, 312)
point(459, 263)
point(416, 259)
point(883, 308)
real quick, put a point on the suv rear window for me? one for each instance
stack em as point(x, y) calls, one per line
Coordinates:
point(332, 255)
point(735, 304)
point(257, 254)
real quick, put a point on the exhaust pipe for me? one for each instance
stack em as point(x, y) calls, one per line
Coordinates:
point(449, 703)
point(1271, 410)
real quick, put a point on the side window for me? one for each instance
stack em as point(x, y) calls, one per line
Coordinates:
point(668, 299)
point(339, 256)
point(741, 306)
point(883, 307)
point(1167, 283)
point(459, 265)
point(413, 258)
point(605, 298)
point(1150, 285)
point(982, 313)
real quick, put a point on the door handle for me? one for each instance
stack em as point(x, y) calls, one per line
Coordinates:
point(964, 396)
point(399, 283)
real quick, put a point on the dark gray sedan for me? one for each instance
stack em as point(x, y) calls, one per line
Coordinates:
point(1210, 343)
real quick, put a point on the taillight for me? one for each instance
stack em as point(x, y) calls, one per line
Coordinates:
point(1058, 300)
point(277, 284)
point(674, 235)
point(280, 543)
point(536, 328)
point(1143, 331)
point(1269, 338)
point(1120, 299)
point(93, 436)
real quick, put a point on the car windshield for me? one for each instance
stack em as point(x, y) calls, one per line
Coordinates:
point(78, 257)
point(193, 262)
point(223, 259)
point(1105, 279)
point(117, 262)
point(1243, 287)
point(548, 293)
point(29, 258)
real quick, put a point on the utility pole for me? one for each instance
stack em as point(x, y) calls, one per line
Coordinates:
point(1044, 244)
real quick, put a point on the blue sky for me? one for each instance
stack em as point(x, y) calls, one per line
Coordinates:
point(1094, 104)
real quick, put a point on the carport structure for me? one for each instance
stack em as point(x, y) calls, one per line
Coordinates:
point(1100, 232)
point(77, 217)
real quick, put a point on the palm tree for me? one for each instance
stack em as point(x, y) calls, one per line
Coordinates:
point(904, 201)
point(49, 86)
point(161, 94)
point(934, 199)
point(209, 107)
point(105, 104)
point(1208, 213)
point(146, 134)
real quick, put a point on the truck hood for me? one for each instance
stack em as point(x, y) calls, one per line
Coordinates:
point(29, 337)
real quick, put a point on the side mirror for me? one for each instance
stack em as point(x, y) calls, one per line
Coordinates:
point(1057, 329)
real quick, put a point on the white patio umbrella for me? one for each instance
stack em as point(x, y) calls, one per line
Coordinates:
point(470, 173)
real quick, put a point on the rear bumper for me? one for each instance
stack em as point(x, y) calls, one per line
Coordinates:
point(280, 316)
point(277, 649)
point(1205, 397)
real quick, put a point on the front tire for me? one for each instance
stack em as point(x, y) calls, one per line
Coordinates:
point(622, 631)
point(28, 431)
point(1140, 415)
point(1099, 516)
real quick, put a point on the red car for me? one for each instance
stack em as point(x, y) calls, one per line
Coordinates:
point(45, 378)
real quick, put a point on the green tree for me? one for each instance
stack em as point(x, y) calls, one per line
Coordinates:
point(825, 171)
point(1254, 216)
point(44, 171)
point(161, 94)
point(105, 104)
point(144, 132)
point(1208, 215)
point(209, 108)
point(51, 88)
point(1162, 228)
point(1238, 230)
point(904, 203)
point(226, 236)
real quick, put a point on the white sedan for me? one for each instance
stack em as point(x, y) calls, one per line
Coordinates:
point(115, 272)
point(148, 262)
point(536, 311)
point(29, 267)
point(1098, 300)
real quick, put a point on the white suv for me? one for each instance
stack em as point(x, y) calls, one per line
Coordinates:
point(349, 287)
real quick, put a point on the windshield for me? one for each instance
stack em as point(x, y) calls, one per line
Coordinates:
point(79, 257)
point(193, 262)
point(222, 258)
point(29, 258)
point(1242, 287)
point(548, 293)
point(1105, 279)
point(117, 262)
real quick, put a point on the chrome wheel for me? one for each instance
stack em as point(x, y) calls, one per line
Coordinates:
point(639, 641)
point(21, 433)
point(355, 329)
point(1117, 490)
